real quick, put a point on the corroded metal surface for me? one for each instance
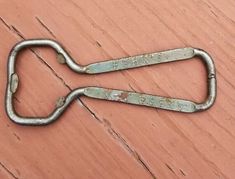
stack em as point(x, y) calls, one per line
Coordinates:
point(141, 99)
point(129, 97)
point(140, 60)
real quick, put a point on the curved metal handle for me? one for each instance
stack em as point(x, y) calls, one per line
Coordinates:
point(172, 104)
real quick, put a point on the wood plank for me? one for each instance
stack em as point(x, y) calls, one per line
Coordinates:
point(106, 139)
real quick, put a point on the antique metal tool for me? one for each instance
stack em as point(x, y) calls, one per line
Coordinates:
point(129, 97)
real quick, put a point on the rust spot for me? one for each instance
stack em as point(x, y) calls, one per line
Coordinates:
point(168, 100)
point(123, 96)
point(107, 93)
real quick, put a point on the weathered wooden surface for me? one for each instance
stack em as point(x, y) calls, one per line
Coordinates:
point(99, 139)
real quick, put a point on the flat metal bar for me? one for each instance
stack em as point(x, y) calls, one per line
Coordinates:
point(140, 60)
point(141, 99)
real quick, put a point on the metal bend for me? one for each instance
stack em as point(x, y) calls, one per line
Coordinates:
point(40, 120)
point(44, 42)
point(13, 81)
point(211, 94)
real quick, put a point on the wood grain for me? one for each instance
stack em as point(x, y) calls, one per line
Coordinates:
point(100, 139)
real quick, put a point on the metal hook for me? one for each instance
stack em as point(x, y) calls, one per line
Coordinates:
point(167, 103)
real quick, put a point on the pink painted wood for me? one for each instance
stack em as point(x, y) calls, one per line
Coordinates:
point(99, 139)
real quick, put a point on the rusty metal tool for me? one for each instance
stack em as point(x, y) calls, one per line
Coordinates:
point(129, 97)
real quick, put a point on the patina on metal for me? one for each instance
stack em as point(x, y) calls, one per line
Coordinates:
point(129, 97)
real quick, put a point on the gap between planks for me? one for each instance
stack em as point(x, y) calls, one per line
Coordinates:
point(8, 171)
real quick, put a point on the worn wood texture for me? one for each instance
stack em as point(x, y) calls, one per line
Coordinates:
point(99, 139)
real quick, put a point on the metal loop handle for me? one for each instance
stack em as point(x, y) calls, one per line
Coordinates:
point(129, 97)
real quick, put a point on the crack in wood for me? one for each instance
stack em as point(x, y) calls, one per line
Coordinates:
point(12, 28)
point(168, 166)
point(8, 171)
point(192, 145)
point(17, 32)
point(107, 125)
point(17, 137)
point(45, 26)
point(5, 24)
point(98, 44)
point(123, 143)
point(52, 70)
point(16, 99)
point(100, 29)
point(182, 172)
